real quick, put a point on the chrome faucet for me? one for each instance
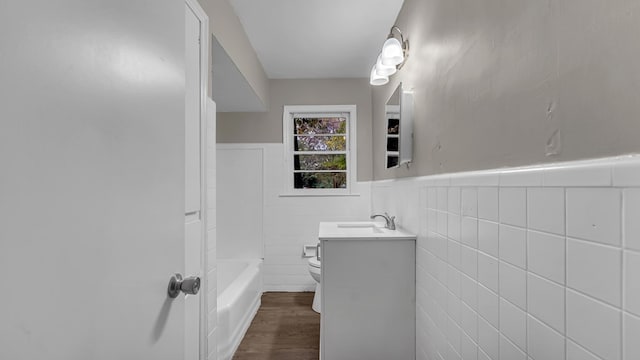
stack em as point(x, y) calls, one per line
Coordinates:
point(390, 220)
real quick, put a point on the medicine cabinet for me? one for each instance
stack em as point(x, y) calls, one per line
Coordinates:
point(399, 131)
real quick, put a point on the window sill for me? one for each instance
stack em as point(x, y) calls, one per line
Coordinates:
point(320, 195)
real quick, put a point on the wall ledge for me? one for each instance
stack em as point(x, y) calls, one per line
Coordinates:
point(618, 171)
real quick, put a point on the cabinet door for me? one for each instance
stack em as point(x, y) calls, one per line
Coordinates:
point(368, 300)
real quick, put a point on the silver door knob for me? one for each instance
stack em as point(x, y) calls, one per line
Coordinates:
point(190, 285)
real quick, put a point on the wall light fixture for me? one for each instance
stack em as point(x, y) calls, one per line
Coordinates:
point(393, 55)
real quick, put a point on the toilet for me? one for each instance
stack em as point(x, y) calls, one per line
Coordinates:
point(314, 270)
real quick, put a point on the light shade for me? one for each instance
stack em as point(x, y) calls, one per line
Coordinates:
point(384, 70)
point(377, 79)
point(392, 53)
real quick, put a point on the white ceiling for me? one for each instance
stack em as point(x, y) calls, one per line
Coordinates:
point(317, 38)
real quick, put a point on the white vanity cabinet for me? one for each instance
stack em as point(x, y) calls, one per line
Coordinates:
point(368, 292)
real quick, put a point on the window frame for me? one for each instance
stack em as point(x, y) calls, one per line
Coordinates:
point(351, 145)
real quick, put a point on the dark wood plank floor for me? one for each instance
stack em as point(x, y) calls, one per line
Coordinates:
point(285, 328)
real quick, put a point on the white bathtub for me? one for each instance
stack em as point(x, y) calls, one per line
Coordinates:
point(239, 292)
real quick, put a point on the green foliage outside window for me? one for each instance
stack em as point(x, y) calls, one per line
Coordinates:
point(320, 135)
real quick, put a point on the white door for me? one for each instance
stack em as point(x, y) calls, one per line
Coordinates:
point(196, 57)
point(92, 160)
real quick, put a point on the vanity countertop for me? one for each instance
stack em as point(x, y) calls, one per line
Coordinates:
point(360, 230)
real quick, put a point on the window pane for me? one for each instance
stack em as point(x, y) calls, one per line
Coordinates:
point(320, 180)
point(392, 144)
point(320, 162)
point(392, 161)
point(393, 126)
point(310, 126)
point(321, 143)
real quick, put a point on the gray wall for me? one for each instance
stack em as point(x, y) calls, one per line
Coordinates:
point(225, 25)
point(496, 82)
point(266, 127)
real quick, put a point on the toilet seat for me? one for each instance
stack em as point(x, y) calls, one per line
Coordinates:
point(314, 262)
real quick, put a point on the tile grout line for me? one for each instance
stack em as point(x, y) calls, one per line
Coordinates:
point(566, 267)
point(623, 302)
point(498, 261)
point(594, 299)
point(458, 207)
point(477, 225)
point(598, 357)
point(526, 264)
point(594, 242)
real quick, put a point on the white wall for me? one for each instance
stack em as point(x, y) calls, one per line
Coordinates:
point(542, 263)
point(514, 83)
point(290, 222)
point(229, 32)
point(240, 224)
point(212, 274)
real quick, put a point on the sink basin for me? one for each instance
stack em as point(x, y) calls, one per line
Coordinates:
point(360, 230)
point(361, 227)
point(357, 225)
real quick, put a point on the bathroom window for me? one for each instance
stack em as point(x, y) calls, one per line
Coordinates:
point(319, 149)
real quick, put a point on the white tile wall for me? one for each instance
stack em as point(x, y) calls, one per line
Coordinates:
point(488, 271)
point(543, 264)
point(454, 200)
point(580, 173)
point(482, 355)
point(546, 255)
point(513, 206)
point(594, 325)
point(513, 246)
point(543, 342)
point(470, 202)
point(595, 270)
point(488, 237)
point(488, 339)
point(546, 301)
point(290, 222)
point(510, 351)
point(513, 285)
point(631, 223)
point(469, 321)
point(576, 352)
point(632, 282)
point(469, 292)
point(488, 306)
point(513, 323)
point(545, 209)
point(488, 203)
point(468, 348)
point(631, 331)
point(469, 232)
point(594, 214)
point(240, 225)
point(625, 172)
point(469, 261)
point(453, 227)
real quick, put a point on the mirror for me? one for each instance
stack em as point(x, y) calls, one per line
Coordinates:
point(399, 133)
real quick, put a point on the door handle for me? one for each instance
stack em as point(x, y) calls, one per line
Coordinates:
point(189, 286)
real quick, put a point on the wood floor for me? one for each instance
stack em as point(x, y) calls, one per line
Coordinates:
point(285, 328)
